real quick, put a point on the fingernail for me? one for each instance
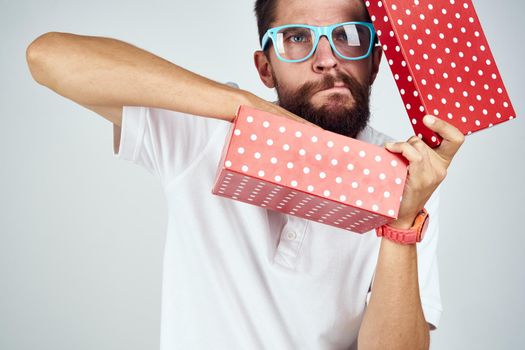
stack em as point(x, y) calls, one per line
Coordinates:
point(388, 144)
point(428, 119)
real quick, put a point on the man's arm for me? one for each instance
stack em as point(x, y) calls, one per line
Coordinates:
point(105, 74)
point(394, 317)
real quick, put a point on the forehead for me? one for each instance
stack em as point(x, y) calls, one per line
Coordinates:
point(319, 12)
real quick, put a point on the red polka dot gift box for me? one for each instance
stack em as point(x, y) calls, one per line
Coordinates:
point(294, 168)
point(442, 64)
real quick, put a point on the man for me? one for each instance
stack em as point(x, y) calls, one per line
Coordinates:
point(238, 276)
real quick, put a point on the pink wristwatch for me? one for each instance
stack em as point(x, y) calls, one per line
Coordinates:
point(410, 236)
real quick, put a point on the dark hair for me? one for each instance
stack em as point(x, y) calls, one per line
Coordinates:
point(265, 12)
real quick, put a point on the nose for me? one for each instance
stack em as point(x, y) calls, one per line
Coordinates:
point(324, 57)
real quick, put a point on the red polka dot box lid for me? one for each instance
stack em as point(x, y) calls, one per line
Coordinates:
point(442, 63)
point(294, 168)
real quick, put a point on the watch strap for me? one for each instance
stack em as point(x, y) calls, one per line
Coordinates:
point(405, 236)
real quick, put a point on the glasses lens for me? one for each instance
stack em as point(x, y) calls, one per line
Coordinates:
point(294, 43)
point(352, 40)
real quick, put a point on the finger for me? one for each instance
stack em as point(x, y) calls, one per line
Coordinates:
point(452, 137)
point(419, 145)
point(417, 142)
point(406, 149)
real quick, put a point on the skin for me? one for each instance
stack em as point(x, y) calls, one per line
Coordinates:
point(394, 317)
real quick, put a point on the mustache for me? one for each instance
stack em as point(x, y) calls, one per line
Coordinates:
point(345, 119)
point(328, 81)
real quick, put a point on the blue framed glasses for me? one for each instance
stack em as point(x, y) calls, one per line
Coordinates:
point(298, 42)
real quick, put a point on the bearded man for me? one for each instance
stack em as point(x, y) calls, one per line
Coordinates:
point(237, 276)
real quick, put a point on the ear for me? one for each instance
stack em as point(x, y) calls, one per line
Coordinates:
point(264, 68)
point(377, 53)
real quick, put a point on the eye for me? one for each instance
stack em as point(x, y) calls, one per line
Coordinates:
point(341, 34)
point(298, 38)
point(341, 37)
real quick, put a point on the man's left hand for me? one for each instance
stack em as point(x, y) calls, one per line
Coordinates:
point(427, 167)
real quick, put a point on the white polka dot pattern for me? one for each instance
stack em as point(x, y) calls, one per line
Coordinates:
point(319, 175)
point(442, 64)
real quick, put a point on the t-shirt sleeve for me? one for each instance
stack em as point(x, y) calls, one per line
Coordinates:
point(164, 142)
point(428, 272)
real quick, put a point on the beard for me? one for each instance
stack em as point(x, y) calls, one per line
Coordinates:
point(337, 114)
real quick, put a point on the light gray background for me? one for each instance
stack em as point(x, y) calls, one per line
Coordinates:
point(81, 234)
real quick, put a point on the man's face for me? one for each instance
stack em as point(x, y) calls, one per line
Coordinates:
point(312, 89)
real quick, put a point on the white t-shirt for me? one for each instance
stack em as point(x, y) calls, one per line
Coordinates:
point(237, 276)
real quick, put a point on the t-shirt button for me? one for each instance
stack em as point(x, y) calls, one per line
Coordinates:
point(291, 235)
